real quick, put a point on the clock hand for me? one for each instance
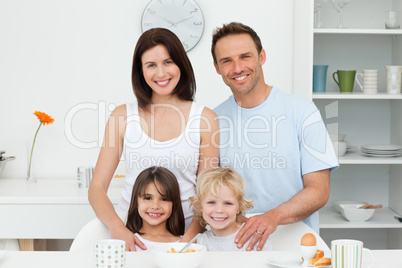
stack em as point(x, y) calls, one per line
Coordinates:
point(168, 21)
point(189, 17)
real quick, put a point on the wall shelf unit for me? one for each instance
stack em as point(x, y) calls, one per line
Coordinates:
point(363, 118)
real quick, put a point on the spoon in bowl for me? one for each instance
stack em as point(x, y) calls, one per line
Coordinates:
point(189, 243)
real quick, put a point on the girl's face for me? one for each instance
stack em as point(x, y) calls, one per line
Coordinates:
point(159, 70)
point(154, 209)
point(220, 211)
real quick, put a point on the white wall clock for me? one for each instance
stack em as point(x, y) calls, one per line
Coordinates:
point(183, 17)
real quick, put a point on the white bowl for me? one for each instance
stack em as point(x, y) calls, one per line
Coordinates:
point(340, 147)
point(337, 204)
point(337, 137)
point(177, 260)
point(352, 212)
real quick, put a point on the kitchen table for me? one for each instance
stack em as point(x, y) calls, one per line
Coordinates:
point(47, 209)
point(60, 259)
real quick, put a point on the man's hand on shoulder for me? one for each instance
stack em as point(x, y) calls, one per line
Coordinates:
point(260, 227)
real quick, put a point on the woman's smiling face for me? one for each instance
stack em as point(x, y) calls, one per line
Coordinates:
point(159, 70)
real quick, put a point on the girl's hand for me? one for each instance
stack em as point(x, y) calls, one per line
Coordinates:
point(125, 234)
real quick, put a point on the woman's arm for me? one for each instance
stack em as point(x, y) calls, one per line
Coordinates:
point(106, 165)
point(209, 157)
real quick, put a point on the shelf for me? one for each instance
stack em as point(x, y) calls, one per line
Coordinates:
point(382, 218)
point(358, 159)
point(358, 31)
point(355, 96)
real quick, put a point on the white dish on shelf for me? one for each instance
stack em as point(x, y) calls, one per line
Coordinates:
point(381, 152)
point(337, 204)
point(352, 212)
point(381, 147)
point(337, 137)
point(381, 155)
point(287, 260)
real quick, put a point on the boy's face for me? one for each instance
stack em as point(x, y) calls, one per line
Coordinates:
point(220, 212)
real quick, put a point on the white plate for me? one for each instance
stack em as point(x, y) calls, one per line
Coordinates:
point(382, 147)
point(382, 152)
point(2, 252)
point(382, 155)
point(287, 260)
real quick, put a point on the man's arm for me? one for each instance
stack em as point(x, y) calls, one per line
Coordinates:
point(313, 196)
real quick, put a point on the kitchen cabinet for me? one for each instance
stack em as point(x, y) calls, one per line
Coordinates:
point(48, 209)
point(364, 118)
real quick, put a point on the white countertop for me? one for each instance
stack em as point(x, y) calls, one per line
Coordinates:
point(51, 191)
point(61, 259)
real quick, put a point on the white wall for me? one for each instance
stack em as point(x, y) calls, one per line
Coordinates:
point(56, 56)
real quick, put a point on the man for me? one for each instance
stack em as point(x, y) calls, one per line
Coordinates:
point(275, 140)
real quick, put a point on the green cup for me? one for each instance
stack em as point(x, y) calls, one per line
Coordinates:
point(346, 80)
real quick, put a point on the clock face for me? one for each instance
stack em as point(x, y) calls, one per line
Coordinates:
point(183, 17)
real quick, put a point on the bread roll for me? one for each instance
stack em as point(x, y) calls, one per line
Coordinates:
point(319, 254)
point(319, 262)
point(323, 262)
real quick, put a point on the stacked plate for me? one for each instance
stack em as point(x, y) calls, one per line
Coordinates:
point(382, 150)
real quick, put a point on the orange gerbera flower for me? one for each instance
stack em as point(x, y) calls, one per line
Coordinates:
point(44, 118)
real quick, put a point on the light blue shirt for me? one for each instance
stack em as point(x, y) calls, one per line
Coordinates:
point(273, 145)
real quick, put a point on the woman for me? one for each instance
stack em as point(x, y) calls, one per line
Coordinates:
point(164, 127)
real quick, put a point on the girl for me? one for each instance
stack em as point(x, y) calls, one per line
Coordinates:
point(155, 213)
point(162, 127)
point(220, 202)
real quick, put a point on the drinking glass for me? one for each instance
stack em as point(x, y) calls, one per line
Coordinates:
point(317, 12)
point(339, 5)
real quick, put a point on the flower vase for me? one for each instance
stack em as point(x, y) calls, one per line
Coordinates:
point(32, 175)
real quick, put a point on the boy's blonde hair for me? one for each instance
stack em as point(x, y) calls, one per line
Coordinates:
point(210, 180)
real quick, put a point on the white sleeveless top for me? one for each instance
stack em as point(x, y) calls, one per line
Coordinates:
point(180, 155)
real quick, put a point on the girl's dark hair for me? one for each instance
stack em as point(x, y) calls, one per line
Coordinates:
point(169, 188)
point(185, 89)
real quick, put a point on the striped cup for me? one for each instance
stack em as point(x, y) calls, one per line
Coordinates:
point(348, 254)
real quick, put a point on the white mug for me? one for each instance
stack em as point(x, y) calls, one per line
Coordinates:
point(110, 253)
point(370, 81)
point(348, 254)
point(394, 74)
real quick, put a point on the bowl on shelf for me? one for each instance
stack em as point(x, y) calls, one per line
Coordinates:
point(337, 204)
point(337, 137)
point(340, 147)
point(164, 258)
point(352, 212)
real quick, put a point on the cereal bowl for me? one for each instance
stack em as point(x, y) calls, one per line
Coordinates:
point(352, 212)
point(164, 258)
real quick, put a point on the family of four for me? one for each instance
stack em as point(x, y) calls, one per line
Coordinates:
point(273, 150)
